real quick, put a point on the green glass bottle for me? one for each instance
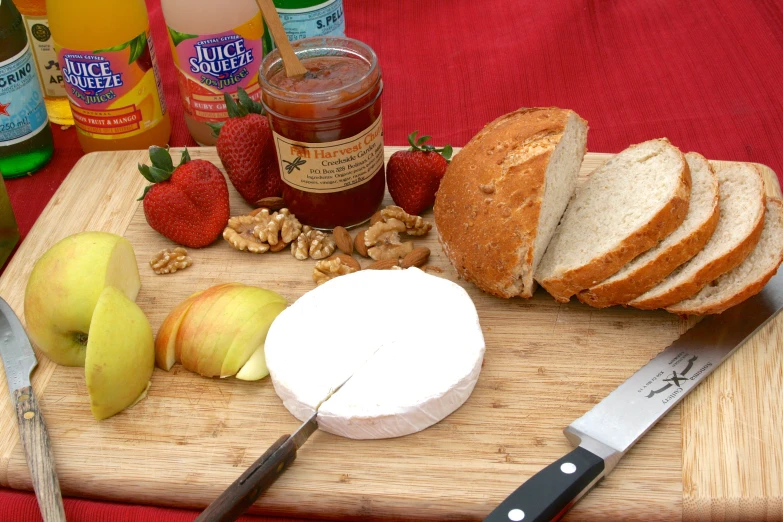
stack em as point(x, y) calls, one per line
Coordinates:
point(306, 18)
point(25, 136)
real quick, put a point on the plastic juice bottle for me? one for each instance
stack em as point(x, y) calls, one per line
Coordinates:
point(107, 59)
point(40, 38)
point(216, 47)
point(306, 18)
point(25, 137)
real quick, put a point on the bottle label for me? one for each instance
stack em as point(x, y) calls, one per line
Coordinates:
point(45, 56)
point(324, 19)
point(115, 92)
point(332, 166)
point(22, 109)
point(210, 65)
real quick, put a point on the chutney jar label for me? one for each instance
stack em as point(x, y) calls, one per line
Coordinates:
point(332, 166)
point(213, 64)
point(114, 92)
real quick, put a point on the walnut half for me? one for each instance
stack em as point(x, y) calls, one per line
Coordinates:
point(414, 225)
point(239, 234)
point(327, 269)
point(168, 261)
point(312, 243)
point(383, 240)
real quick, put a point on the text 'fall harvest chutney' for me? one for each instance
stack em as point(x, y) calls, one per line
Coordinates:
point(328, 131)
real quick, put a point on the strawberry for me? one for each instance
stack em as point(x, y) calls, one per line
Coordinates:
point(187, 204)
point(413, 176)
point(246, 148)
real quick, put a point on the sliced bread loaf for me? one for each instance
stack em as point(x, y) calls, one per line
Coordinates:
point(748, 278)
point(503, 194)
point(627, 205)
point(741, 219)
point(650, 268)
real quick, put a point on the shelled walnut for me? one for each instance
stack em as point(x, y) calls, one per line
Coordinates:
point(239, 234)
point(383, 240)
point(313, 244)
point(280, 226)
point(414, 225)
point(168, 261)
point(327, 269)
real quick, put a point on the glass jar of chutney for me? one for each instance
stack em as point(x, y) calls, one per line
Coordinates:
point(328, 131)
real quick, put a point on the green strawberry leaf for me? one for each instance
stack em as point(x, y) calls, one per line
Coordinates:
point(153, 174)
point(252, 107)
point(215, 126)
point(412, 139)
point(137, 46)
point(420, 144)
point(146, 189)
point(177, 37)
point(161, 158)
point(234, 110)
point(446, 152)
point(185, 157)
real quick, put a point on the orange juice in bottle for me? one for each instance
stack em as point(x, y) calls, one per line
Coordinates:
point(110, 71)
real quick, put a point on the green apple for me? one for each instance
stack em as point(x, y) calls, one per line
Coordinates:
point(120, 354)
point(65, 285)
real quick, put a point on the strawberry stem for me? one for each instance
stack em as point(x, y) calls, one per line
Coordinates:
point(419, 144)
point(238, 108)
point(162, 166)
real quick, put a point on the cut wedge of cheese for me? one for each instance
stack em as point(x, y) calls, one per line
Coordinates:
point(412, 342)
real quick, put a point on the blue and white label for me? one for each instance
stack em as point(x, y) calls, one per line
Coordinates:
point(325, 19)
point(22, 110)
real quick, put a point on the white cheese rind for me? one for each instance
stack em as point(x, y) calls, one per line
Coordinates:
point(412, 340)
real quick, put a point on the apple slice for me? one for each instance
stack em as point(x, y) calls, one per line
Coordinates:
point(255, 367)
point(165, 355)
point(120, 354)
point(65, 285)
point(251, 335)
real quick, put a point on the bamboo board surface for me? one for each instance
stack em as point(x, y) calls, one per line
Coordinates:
point(719, 455)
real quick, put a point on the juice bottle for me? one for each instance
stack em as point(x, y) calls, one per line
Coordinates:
point(107, 59)
point(216, 47)
point(25, 137)
point(40, 37)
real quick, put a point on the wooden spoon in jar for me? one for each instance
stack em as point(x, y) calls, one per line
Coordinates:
point(292, 65)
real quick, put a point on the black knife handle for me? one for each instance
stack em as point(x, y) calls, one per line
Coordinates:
point(547, 495)
point(38, 451)
point(255, 480)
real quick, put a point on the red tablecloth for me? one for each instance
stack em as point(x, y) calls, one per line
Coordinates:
point(707, 74)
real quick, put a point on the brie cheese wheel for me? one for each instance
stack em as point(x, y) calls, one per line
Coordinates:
point(412, 342)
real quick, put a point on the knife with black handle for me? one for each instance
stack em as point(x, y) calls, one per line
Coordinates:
point(19, 362)
point(604, 434)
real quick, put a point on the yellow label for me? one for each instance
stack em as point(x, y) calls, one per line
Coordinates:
point(332, 166)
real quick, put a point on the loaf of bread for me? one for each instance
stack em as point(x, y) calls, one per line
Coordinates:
point(626, 206)
point(650, 268)
point(504, 193)
point(748, 278)
point(742, 204)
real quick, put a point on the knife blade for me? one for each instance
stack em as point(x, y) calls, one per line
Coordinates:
point(604, 434)
point(241, 494)
point(19, 362)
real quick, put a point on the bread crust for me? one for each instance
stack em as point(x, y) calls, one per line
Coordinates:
point(712, 270)
point(661, 225)
point(752, 288)
point(645, 277)
point(489, 201)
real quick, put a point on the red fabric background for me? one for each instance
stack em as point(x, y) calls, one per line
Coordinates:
point(707, 74)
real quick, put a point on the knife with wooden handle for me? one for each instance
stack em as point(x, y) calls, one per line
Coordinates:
point(604, 434)
point(19, 362)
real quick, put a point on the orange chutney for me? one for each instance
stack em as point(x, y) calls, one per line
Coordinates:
point(328, 130)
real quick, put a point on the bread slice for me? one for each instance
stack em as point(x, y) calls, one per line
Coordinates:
point(650, 268)
point(625, 207)
point(503, 194)
point(741, 219)
point(748, 278)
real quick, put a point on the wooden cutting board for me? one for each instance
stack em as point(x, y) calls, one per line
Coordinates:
point(719, 455)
